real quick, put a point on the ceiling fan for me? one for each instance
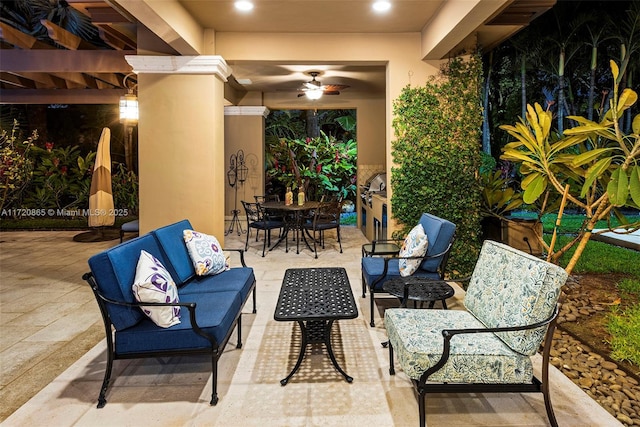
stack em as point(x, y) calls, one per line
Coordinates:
point(314, 89)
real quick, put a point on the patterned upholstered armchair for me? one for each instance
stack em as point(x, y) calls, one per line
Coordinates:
point(511, 307)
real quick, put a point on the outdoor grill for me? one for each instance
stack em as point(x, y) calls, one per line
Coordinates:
point(377, 184)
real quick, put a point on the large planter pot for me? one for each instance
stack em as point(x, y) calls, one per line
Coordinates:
point(491, 228)
point(519, 233)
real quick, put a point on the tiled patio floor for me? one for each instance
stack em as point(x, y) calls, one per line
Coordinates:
point(52, 358)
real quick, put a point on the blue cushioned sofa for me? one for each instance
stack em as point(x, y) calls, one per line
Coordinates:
point(210, 306)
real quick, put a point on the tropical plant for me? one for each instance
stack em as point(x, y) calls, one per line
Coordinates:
point(125, 189)
point(319, 166)
point(436, 156)
point(16, 165)
point(593, 165)
point(61, 177)
point(499, 197)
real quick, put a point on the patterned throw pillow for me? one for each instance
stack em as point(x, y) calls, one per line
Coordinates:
point(206, 254)
point(415, 245)
point(153, 283)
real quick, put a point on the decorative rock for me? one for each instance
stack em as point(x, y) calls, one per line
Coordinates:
point(624, 419)
point(609, 365)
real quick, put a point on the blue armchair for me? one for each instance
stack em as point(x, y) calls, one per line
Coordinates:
point(376, 270)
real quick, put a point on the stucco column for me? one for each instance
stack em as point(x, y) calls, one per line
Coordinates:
point(181, 140)
point(244, 130)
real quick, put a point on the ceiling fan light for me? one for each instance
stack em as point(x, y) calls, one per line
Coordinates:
point(314, 94)
point(243, 5)
point(381, 5)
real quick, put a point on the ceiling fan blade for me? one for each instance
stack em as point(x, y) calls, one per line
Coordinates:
point(330, 87)
point(331, 92)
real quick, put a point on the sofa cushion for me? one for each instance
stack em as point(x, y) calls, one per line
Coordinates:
point(114, 271)
point(215, 314)
point(372, 268)
point(440, 233)
point(416, 337)
point(154, 284)
point(509, 287)
point(238, 279)
point(414, 245)
point(171, 241)
point(205, 252)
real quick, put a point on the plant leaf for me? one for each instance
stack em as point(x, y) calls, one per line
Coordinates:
point(634, 184)
point(594, 172)
point(618, 187)
point(515, 155)
point(589, 156)
point(626, 100)
point(636, 124)
point(614, 69)
point(535, 189)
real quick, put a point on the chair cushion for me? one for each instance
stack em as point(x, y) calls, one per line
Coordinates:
point(215, 314)
point(509, 287)
point(414, 245)
point(372, 268)
point(440, 233)
point(238, 279)
point(114, 273)
point(416, 337)
point(131, 226)
point(153, 283)
point(172, 245)
point(205, 252)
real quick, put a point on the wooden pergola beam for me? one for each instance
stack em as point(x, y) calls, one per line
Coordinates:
point(17, 81)
point(45, 61)
point(19, 39)
point(67, 96)
point(65, 38)
point(115, 39)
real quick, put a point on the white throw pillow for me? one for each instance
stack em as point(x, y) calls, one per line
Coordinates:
point(415, 245)
point(207, 256)
point(153, 283)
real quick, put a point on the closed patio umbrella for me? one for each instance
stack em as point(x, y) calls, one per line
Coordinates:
point(101, 213)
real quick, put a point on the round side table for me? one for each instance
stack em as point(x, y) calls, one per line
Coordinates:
point(419, 289)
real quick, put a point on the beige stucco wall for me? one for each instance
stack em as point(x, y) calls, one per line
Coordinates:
point(246, 133)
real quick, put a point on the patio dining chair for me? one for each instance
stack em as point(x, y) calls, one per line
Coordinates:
point(259, 219)
point(377, 270)
point(325, 217)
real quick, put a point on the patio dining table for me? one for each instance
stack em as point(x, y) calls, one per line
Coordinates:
point(294, 218)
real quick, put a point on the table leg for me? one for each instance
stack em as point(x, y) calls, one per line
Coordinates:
point(327, 341)
point(303, 348)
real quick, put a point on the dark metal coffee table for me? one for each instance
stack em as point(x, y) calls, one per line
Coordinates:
point(315, 298)
point(419, 289)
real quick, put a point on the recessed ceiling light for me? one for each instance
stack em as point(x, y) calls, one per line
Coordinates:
point(244, 5)
point(381, 5)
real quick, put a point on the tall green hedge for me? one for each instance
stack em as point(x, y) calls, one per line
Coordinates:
point(436, 155)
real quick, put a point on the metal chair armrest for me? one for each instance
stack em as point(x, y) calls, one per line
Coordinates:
point(240, 251)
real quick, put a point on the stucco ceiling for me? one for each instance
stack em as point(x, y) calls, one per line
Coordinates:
point(89, 72)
